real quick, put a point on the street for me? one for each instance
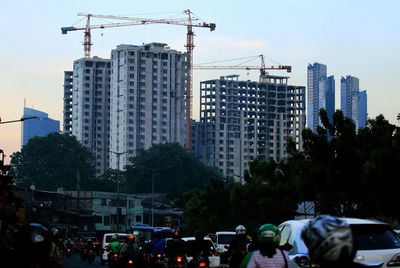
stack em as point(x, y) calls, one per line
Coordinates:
point(75, 262)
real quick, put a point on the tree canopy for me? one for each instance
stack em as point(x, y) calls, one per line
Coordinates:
point(350, 172)
point(52, 161)
point(175, 171)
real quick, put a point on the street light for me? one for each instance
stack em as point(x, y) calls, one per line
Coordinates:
point(33, 188)
point(118, 154)
point(153, 170)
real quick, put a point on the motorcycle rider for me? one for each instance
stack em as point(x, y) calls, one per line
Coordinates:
point(175, 247)
point(128, 250)
point(156, 245)
point(330, 242)
point(33, 246)
point(237, 248)
point(199, 249)
point(268, 255)
point(113, 247)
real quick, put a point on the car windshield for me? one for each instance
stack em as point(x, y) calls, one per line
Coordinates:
point(225, 239)
point(374, 237)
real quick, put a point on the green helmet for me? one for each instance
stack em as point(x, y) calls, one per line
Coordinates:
point(268, 234)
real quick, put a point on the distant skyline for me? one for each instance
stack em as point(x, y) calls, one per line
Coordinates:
point(353, 37)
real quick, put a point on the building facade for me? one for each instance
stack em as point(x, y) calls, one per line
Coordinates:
point(353, 102)
point(86, 107)
point(320, 94)
point(147, 99)
point(242, 120)
point(41, 125)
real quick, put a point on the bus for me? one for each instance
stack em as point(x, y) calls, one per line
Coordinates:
point(141, 231)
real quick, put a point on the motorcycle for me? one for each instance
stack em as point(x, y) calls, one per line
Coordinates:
point(199, 262)
point(91, 255)
point(158, 260)
point(113, 259)
point(68, 252)
point(178, 261)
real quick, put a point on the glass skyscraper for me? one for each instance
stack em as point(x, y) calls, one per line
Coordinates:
point(353, 103)
point(39, 126)
point(320, 94)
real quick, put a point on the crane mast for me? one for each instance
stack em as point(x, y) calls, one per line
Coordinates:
point(87, 43)
point(189, 94)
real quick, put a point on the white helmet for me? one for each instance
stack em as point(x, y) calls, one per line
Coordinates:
point(240, 229)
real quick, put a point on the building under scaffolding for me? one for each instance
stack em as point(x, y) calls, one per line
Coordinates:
point(242, 120)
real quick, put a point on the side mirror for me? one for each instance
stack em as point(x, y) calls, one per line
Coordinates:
point(286, 247)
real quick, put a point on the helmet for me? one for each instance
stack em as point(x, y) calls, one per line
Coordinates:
point(329, 240)
point(240, 230)
point(34, 239)
point(199, 235)
point(268, 234)
point(176, 234)
point(131, 237)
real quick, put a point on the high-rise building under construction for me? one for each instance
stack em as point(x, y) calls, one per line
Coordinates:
point(244, 120)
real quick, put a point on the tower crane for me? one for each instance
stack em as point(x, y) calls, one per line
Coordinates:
point(188, 22)
point(263, 69)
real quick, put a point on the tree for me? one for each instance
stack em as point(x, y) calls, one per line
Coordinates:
point(175, 171)
point(52, 161)
point(349, 172)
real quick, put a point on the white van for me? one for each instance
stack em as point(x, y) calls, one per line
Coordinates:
point(106, 240)
point(223, 239)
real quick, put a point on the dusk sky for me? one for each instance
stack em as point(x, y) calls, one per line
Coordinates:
point(352, 37)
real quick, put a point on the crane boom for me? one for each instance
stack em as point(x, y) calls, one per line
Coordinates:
point(129, 21)
point(262, 68)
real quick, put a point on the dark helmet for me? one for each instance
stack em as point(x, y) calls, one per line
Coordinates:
point(35, 239)
point(199, 235)
point(329, 240)
point(176, 234)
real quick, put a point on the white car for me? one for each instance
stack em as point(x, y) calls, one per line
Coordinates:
point(214, 258)
point(223, 239)
point(106, 240)
point(378, 245)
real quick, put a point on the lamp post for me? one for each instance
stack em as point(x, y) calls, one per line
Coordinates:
point(118, 154)
point(33, 188)
point(153, 170)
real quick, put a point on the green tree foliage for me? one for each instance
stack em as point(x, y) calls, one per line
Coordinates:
point(348, 172)
point(208, 209)
point(175, 171)
point(52, 161)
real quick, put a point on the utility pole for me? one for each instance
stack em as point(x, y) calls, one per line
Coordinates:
point(153, 170)
point(118, 154)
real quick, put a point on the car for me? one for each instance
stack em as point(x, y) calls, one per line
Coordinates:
point(214, 258)
point(106, 240)
point(223, 239)
point(377, 243)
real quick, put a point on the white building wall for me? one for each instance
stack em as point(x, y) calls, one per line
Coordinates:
point(147, 99)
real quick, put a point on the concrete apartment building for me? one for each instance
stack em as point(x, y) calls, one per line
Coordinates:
point(242, 120)
point(129, 102)
point(147, 99)
point(353, 102)
point(39, 126)
point(86, 107)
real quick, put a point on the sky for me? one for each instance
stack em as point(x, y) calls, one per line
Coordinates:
point(352, 37)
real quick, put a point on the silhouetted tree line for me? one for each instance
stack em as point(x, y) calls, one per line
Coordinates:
point(344, 171)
